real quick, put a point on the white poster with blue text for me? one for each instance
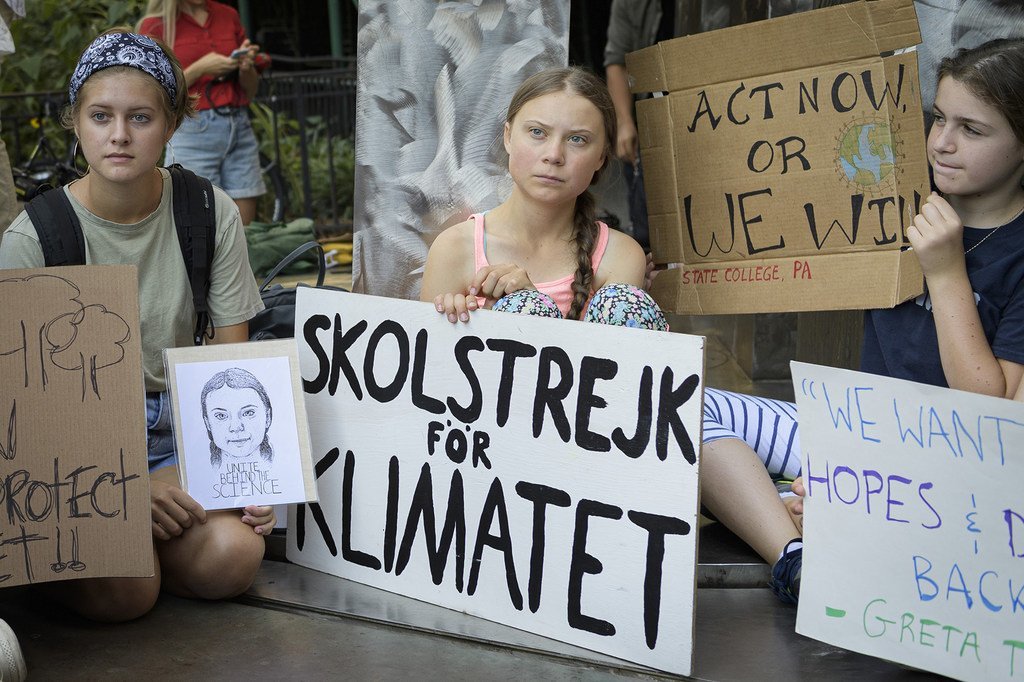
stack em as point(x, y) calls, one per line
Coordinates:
point(913, 523)
point(534, 472)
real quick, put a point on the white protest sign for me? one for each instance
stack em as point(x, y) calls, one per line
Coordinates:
point(914, 522)
point(240, 423)
point(534, 472)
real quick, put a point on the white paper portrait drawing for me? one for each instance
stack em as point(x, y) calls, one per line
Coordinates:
point(239, 436)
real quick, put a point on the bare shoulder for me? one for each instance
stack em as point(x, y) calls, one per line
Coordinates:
point(458, 236)
point(450, 262)
point(624, 261)
point(625, 246)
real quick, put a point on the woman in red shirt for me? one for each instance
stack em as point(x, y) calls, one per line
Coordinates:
point(219, 62)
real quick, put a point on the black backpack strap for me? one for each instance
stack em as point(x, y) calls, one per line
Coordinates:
point(196, 222)
point(60, 232)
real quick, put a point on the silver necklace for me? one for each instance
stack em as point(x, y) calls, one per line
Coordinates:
point(994, 230)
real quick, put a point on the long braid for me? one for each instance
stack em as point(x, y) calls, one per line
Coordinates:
point(584, 233)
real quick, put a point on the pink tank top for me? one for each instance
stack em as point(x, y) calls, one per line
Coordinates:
point(560, 290)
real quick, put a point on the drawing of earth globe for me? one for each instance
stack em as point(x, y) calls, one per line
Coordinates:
point(865, 153)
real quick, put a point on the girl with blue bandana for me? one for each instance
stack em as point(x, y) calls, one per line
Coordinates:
point(127, 97)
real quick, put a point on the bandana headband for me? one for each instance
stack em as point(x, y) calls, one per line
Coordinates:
point(125, 49)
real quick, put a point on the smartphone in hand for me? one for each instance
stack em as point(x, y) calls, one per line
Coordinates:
point(240, 52)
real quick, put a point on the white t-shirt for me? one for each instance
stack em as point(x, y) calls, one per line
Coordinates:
point(167, 314)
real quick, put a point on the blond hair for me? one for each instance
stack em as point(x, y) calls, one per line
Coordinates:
point(167, 12)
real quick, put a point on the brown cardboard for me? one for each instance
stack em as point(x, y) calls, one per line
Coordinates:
point(775, 285)
point(748, 157)
point(74, 481)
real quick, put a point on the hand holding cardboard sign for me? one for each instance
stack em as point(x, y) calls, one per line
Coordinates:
point(651, 271)
point(937, 236)
point(627, 144)
point(455, 306)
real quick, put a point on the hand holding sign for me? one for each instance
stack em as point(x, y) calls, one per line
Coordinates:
point(261, 518)
point(455, 306)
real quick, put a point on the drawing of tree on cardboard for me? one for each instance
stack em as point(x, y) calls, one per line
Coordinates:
point(69, 336)
point(59, 330)
point(26, 334)
point(8, 449)
point(87, 341)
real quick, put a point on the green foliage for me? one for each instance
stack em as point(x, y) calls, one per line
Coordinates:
point(53, 34)
point(324, 151)
point(48, 42)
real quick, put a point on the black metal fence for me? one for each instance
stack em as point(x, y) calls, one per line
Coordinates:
point(310, 113)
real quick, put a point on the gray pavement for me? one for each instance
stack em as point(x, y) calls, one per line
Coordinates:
point(296, 623)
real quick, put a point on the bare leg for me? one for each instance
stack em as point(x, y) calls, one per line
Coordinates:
point(214, 560)
point(108, 600)
point(247, 208)
point(737, 489)
point(794, 505)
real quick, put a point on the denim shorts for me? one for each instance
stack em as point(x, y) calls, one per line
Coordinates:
point(222, 148)
point(159, 436)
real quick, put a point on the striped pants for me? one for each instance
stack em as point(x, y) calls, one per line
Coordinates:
point(768, 426)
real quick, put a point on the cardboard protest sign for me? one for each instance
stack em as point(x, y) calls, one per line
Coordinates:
point(914, 522)
point(75, 480)
point(240, 424)
point(538, 473)
point(785, 161)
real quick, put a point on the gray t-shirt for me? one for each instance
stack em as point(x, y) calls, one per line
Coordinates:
point(165, 298)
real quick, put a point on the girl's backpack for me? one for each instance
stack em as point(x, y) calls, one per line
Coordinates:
point(60, 233)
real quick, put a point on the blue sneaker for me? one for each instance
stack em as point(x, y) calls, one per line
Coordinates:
point(785, 581)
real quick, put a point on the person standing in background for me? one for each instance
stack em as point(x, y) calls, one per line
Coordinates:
point(633, 25)
point(220, 68)
point(9, 10)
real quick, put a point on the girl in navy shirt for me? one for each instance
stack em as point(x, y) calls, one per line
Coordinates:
point(965, 332)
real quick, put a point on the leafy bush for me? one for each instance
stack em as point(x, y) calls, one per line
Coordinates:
point(48, 42)
point(52, 35)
